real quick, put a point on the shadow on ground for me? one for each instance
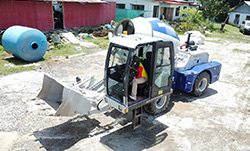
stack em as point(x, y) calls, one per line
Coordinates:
point(147, 136)
point(17, 61)
point(186, 97)
point(63, 136)
point(66, 135)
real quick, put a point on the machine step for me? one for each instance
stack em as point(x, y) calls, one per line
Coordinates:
point(137, 117)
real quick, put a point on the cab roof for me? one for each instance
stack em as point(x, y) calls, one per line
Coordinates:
point(132, 41)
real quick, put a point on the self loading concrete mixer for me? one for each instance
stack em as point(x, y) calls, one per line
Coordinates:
point(168, 67)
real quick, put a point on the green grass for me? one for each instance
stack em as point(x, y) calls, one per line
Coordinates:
point(62, 50)
point(102, 42)
point(238, 50)
point(5, 69)
point(10, 64)
point(180, 32)
point(215, 41)
point(231, 34)
point(3, 53)
point(247, 66)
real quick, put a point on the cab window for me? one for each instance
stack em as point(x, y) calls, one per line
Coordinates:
point(163, 67)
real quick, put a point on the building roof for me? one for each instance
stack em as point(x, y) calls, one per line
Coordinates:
point(81, 1)
point(245, 2)
point(178, 2)
point(248, 3)
point(173, 2)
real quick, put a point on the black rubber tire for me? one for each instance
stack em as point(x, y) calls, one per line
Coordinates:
point(201, 83)
point(243, 32)
point(152, 107)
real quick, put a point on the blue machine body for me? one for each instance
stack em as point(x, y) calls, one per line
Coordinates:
point(25, 43)
point(184, 80)
point(165, 28)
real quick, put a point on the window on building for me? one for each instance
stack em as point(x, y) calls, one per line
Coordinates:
point(138, 7)
point(177, 11)
point(156, 11)
point(248, 18)
point(237, 19)
point(184, 7)
point(121, 6)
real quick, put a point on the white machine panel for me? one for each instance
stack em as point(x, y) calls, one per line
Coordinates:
point(187, 59)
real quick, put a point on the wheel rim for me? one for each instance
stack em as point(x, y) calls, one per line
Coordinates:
point(203, 84)
point(160, 103)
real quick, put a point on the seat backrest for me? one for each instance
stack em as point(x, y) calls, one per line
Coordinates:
point(130, 30)
point(146, 62)
point(136, 62)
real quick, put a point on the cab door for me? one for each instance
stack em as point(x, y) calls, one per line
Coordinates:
point(163, 68)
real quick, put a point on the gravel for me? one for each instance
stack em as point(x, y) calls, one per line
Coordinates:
point(219, 120)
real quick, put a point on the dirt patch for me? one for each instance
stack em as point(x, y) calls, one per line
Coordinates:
point(219, 120)
point(7, 139)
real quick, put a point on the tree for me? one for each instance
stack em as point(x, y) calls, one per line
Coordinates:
point(212, 8)
point(192, 17)
point(232, 3)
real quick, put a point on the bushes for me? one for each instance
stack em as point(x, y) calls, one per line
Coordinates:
point(192, 19)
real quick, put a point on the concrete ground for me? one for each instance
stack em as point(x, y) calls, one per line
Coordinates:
point(219, 120)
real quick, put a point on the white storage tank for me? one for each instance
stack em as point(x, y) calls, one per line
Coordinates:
point(150, 27)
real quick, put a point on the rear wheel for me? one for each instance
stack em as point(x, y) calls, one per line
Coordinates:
point(244, 32)
point(158, 105)
point(201, 83)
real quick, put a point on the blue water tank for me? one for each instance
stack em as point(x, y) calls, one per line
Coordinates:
point(25, 43)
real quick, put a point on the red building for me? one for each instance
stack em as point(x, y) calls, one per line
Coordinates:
point(45, 15)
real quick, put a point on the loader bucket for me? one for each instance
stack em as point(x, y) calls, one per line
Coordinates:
point(51, 92)
point(67, 101)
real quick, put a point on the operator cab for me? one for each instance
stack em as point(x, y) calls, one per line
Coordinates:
point(157, 58)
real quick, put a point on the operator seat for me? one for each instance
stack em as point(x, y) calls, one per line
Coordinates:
point(130, 30)
point(142, 89)
point(146, 63)
point(136, 62)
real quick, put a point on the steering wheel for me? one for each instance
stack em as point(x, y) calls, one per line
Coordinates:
point(118, 69)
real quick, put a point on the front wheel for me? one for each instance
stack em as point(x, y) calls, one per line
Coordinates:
point(158, 106)
point(201, 83)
